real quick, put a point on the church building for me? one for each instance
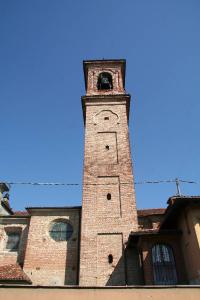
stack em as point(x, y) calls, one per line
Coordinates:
point(106, 242)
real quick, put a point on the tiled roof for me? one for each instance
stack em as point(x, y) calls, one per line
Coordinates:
point(21, 213)
point(175, 205)
point(141, 212)
point(156, 231)
point(54, 207)
point(152, 211)
point(14, 273)
point(146, 231)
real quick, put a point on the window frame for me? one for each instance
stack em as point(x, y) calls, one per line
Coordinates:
point(11, 231)
point(59, 234)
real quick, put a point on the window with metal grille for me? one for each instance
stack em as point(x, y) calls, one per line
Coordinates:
point(13, 239)
point(164, 269)
point(61, 230)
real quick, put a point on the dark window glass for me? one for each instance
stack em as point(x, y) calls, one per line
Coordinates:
point(13, 239)
point(105, 81)
point(164, 269)
point(61, 231)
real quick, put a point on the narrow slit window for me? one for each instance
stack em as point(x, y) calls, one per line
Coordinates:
point(107, 147)
point(110, 259)
point(108, 196)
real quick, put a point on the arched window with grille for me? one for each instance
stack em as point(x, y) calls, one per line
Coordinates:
point(164, 269)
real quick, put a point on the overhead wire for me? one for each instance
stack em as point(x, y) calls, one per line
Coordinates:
point(177, 181)
point(79, 184)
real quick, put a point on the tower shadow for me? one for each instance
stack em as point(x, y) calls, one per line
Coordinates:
point(72, 256)
point(128, 270)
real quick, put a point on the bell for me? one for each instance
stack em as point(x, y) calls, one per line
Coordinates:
point(104, 80)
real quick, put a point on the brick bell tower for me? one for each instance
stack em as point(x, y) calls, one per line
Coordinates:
point(108, 209)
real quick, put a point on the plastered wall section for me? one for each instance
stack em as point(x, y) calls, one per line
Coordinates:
point(146, 245)
point(189, 223)
point(50, 262)
point(99, 294)
point(106, 171)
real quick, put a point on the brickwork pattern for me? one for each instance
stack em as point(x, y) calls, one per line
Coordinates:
point(149, 222)
point(50, 262)
point(106, 224)
point(13, 225)
point(114, 69)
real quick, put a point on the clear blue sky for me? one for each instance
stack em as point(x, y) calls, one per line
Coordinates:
point(42, 45)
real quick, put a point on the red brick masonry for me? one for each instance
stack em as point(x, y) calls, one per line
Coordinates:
point(13, 273)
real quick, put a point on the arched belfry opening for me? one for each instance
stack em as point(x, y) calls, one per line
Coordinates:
point(105, 81)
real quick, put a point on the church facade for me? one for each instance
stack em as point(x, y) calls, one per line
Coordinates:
point(106, 241)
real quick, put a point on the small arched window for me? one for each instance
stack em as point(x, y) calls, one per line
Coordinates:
point(164, 269)
point(105, 81)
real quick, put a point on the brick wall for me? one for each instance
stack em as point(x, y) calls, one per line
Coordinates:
point(95, 69)
point(50, 262)
point(189, 220)
point(149, 222)
point(106, 223)
point(13, 225)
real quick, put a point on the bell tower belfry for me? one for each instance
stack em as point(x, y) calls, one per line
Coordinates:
point(108, 208)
